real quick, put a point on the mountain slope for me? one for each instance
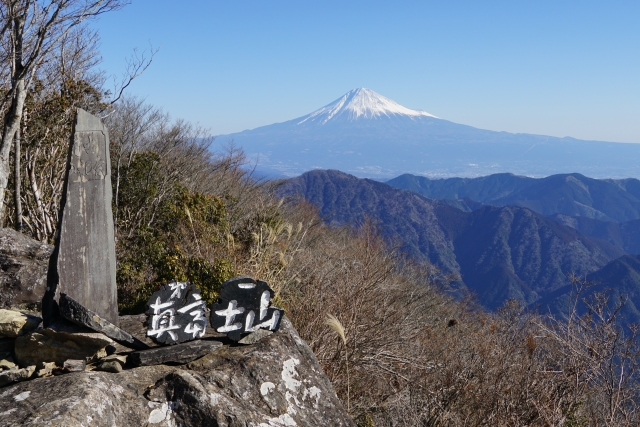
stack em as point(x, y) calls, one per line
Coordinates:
point(369, 135)
point(625, 235)
point(619, 279)
point(568, 194)
point(404, 217)
point(500, 252)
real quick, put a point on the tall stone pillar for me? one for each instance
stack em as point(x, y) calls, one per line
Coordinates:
point(83, 263)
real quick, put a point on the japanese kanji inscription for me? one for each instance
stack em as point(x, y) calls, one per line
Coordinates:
point(244, 307)
point(176, 313)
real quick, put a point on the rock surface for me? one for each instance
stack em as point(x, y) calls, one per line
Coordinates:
point(14, 323)
point(111, 366)
point(82, 316)
point(179, 353)
point(74, 365)
point(274, 382)
point(16, 375)
point(58, 343)
point(23, 270)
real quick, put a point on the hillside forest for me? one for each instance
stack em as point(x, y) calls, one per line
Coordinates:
point(398, 346)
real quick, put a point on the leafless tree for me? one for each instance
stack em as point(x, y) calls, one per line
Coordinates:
point(30, 32)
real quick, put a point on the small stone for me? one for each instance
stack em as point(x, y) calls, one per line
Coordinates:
point(256, 336)
point(82, 316)
point(7, 364)
point(60, 342)
point(46, 369)
point(179, 353)
point(14, 323)
point(112, 366)
point(15, 375)
point(74, 365)
point(120, 358)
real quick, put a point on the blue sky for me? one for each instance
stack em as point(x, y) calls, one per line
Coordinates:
point(561, 68)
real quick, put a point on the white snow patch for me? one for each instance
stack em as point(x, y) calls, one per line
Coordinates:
point(8, 412)
point(267, 388)
point(22, 396)
point(363, 103)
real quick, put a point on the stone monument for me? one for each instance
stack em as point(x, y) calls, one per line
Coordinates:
point(83, 262)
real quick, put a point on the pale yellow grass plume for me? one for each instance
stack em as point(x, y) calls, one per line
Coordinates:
point(333, 322)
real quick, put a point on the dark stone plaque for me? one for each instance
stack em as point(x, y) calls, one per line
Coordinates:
point(244, 307)
point(83, 262)
point(176, 313)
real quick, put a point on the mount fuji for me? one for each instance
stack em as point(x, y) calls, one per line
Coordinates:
point(368, 135)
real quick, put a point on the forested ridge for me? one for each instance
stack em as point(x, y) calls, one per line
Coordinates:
point(400, 352)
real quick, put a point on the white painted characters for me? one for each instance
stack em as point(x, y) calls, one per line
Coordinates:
point(178, 313)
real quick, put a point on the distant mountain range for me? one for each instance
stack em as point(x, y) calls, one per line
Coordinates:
point(508, 249)
point(368, 135)
point(568, 194)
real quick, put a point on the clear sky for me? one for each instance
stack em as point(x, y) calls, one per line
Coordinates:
point(561, 68)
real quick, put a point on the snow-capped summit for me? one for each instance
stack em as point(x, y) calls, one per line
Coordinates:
point(368, 135)
point(361, 103)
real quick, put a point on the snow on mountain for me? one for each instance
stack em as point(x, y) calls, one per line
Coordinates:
point(361, 103)
point(367, 135)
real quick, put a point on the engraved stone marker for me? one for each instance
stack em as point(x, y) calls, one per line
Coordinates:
point(83, 262)
point(244, 307)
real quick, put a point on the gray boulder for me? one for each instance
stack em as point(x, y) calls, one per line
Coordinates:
point(58, 343)
point(23, 270)
point(16, 375)
point(14, 323)
point(275, 382)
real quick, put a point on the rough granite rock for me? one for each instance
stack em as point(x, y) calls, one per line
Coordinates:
point(59, 342)
point(23, 270)
point(16, 375)
point(82, 316)
point(74, 365)
point(7, 364)
point(274, 382)
point(6, 347)
point(14, 323)
point(111, 366)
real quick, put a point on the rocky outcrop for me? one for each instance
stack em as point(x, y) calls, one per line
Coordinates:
point(60, 342)
point(14, 323)
point(23, 270)
point(67, 375)
point(275, 381)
